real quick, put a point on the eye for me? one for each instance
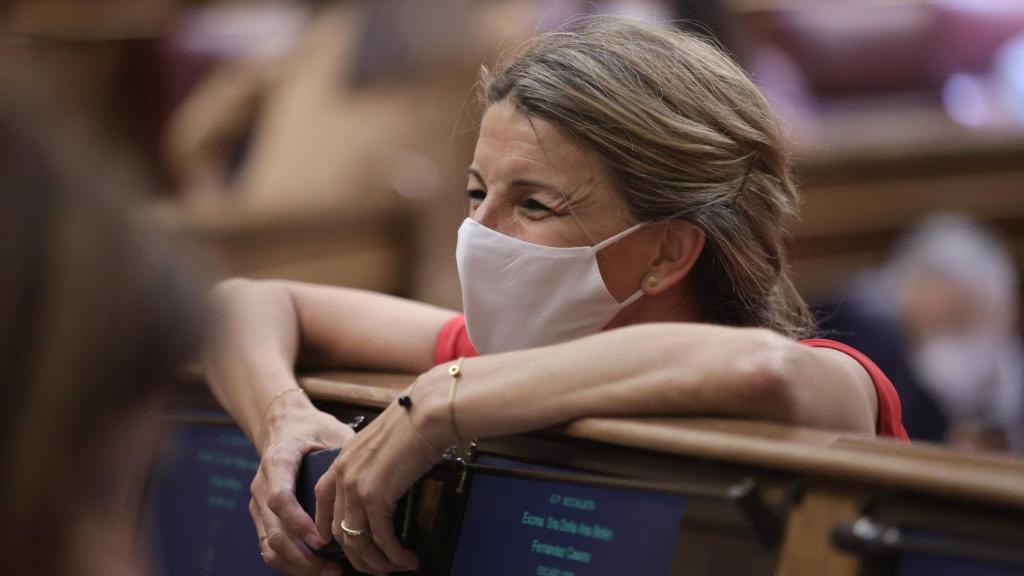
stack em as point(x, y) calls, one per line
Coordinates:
point(476, 194)
point(532, 205)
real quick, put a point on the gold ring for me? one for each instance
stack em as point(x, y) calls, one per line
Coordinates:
point(349, 531)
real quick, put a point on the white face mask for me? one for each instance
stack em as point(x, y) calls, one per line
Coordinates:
point(518, 295)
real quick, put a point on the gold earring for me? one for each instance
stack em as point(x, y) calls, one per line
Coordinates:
point(652, 280)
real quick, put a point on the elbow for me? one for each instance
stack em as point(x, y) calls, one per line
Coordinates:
point(229, 294)
point(234, 301)
point(222, 302)
point(768, 376)
point(780, 387)
point(227, 291)
point(238, 304)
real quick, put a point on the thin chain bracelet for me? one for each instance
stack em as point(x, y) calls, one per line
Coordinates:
point(266, 410)
point(455, 370)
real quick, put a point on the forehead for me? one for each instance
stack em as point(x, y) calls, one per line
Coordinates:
point(512, 141)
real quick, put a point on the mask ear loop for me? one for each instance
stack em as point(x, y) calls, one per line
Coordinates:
point(608, 242)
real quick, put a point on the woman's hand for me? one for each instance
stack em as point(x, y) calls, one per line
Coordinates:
point(375, 469)
point(287, 534)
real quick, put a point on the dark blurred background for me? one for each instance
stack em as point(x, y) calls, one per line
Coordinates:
point(327, 141)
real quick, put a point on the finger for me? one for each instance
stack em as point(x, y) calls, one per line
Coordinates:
point(348, 543)
point(288, 554)
point(383, 526)
point(370, 556)
point(363, 546)
point(326, 493)
point(338, 514)
point(280, 469)
point(261, 532)
point(336, 436)
point(365, 556)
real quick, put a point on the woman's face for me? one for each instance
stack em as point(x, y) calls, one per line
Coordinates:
point(531, 181)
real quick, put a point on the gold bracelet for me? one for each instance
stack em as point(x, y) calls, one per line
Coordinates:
point(266, 409)
point(455, 370)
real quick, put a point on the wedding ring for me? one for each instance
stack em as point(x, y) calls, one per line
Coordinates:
point(349, 531)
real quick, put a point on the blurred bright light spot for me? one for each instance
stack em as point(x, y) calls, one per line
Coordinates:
point(965, 99)
point(990, 6)
point(245, 30)
point(1009, 71)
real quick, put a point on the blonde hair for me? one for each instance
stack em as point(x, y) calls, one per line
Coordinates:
point(683, 133)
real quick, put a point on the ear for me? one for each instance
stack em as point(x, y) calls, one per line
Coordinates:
point(681, 244)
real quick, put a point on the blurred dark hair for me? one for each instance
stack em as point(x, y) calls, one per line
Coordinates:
point(96, 317)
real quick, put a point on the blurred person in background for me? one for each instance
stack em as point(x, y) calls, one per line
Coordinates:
point(97, 313)
point(941, 318)
point(366, 107)
point(322, 103)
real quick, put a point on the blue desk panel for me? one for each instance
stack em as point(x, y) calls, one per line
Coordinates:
point(198, 505)
point(524, 527)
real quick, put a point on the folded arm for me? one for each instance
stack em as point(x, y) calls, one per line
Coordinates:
point(262, 329)
point(639, 370)
point(661, 369)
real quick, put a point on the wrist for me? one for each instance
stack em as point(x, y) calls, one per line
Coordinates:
point(280, 413)
point(430, 411)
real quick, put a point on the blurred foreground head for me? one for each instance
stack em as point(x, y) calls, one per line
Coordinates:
point(96, 316)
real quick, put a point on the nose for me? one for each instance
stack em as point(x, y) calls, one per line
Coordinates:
point(488, 214)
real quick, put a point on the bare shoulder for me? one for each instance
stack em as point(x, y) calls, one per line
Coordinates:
point(841, 363)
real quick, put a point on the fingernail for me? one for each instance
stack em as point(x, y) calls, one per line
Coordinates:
point(312, 540)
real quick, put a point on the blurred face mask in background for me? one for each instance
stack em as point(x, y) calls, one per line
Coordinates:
point(960, 371)
point(518, 295)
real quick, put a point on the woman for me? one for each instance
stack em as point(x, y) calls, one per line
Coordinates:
point(96, 317)
point(623, 255)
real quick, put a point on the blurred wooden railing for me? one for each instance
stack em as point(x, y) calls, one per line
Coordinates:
point(825, 490)
point(878, 171)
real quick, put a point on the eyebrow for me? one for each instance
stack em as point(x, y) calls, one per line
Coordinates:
point(517, 183)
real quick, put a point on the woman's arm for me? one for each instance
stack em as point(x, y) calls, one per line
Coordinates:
point(638, 370)
point(659, 369)
point(259, 330)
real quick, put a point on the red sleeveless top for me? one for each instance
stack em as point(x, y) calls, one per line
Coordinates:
point(453, 342)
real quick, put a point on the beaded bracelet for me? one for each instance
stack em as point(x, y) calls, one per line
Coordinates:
point(405, 401)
